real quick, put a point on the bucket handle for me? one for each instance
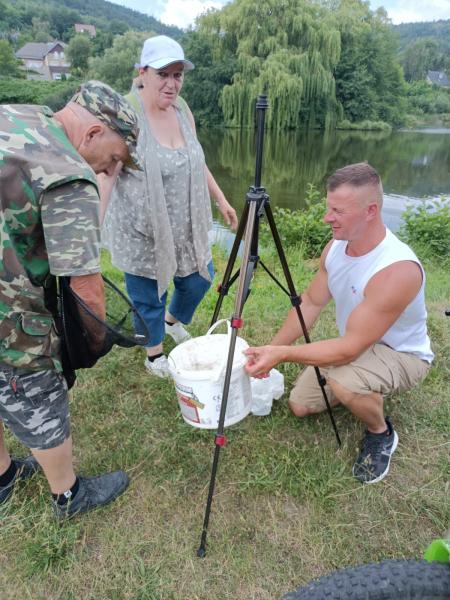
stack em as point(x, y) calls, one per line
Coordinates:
point(221, 369)
point(170, 358)
point(217, 323)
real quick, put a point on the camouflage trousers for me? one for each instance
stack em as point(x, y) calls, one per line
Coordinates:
point(34, 405)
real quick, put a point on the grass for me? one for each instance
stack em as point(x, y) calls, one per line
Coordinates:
point(286, 508)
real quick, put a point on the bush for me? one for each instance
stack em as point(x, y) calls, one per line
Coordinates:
point(364, 125)
point(303, 228)
point(427, 99)
point(54, 94)
point(427, 228)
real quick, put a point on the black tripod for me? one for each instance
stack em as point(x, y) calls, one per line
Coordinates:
point(257, 204)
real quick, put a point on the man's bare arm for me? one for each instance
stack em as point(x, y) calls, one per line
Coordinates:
point(314, 299)
point(90, 289)
point(387, 295)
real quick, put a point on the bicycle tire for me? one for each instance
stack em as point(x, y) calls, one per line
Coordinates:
point(386, 580)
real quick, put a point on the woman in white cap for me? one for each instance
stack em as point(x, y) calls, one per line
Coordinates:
point(158, 220)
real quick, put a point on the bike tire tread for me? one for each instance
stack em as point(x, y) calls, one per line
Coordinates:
point(386, 580)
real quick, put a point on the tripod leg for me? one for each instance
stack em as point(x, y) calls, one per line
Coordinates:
point(224, 286)
point(295, 298)
point(247, 268)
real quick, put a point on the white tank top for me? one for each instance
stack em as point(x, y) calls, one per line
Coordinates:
point(348, 277)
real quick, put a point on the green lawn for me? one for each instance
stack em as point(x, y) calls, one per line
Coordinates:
point(286, 507)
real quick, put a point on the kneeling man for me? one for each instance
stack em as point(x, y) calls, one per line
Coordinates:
point(377, 283)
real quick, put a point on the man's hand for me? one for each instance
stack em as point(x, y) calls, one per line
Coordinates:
point(105, 185)
point(261, 360)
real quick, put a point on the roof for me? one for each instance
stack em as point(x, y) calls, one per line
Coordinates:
point(439, 78)
point(81, 27)
point(37, 50)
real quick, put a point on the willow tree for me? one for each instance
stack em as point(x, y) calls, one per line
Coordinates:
point(288, 48)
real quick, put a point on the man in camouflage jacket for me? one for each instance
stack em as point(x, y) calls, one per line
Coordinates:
point(49, 225)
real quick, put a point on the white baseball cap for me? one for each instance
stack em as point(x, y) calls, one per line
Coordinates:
point(161, 51)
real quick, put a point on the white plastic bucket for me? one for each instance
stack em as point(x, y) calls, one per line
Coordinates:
point(198, 369)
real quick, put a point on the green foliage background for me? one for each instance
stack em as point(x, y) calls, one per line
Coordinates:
point(324, 63)
point(303, 229)
point(427, 229)
point(54, 94)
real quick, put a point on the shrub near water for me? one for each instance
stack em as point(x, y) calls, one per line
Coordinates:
point(427, 229)
point(54, 94)
point(302, 228)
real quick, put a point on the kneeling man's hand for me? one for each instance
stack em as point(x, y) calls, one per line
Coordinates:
point(262, 359)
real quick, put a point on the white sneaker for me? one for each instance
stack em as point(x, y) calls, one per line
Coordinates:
point(177, 332)
point(159, 367)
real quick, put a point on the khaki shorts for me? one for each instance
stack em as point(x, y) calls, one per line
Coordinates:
point(380, 369)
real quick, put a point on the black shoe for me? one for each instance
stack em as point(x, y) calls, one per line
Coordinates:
point(26, 467)
point(93, 492)
point(372, 465)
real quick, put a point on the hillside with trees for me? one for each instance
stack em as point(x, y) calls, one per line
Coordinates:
point(439, 31)
point(325, 63)
point(24, 21)
point(423, 47)
point(39, 21)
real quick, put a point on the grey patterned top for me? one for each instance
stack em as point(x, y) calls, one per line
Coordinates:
point(158, 220)
point(175, 171)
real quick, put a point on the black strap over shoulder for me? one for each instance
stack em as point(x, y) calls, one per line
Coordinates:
point(52, 303)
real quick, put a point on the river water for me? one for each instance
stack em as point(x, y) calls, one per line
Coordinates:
point(413, 165)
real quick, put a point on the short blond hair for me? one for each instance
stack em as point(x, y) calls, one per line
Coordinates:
point(357, 175)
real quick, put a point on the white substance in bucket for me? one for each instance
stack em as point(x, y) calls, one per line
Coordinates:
point(198, 370)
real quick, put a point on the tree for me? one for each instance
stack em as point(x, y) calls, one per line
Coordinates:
point(287, 47)
point(9, 65)
point(40, 30)
point(62, 21)
point(421, 56)
point(117, 27)
point(116, 65)
point(203, 86)
point(79, 51)
point(369, 81)
point(102, 41)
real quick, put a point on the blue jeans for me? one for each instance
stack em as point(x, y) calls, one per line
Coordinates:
point(187, 295)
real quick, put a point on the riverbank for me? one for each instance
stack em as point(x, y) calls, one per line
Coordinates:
point(441, 121)
point(286, 507)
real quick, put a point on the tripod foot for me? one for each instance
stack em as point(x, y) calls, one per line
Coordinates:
point(201, 552)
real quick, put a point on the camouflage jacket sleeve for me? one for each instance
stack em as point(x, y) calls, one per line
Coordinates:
point(70, 221)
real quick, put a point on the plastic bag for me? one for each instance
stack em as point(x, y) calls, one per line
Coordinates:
point(265, 391)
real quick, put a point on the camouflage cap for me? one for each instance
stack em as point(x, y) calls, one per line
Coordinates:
point(112, 109)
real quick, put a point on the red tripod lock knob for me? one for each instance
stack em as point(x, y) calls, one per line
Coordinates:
point(220, 440)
